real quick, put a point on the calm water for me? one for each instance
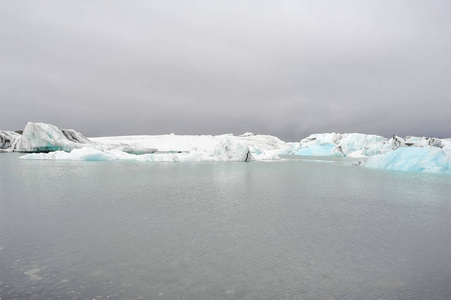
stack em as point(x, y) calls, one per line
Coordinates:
point(277, 230)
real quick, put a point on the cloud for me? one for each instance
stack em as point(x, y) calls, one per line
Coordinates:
point(289, 68)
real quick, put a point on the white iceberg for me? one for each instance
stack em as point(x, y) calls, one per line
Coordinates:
point(41, 137)
point(50, 142)
point(171, 142)
point(207, 147)
point(225, 150)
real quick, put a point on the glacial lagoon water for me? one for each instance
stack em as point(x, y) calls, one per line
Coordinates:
point(291, 229)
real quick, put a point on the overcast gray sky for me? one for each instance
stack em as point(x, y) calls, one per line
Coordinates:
point(285, 68)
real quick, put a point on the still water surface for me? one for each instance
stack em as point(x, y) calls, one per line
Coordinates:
point(293, 229)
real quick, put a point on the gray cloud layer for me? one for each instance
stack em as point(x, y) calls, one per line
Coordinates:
point(287, 68)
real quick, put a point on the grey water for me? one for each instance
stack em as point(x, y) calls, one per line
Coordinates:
point(291, 229)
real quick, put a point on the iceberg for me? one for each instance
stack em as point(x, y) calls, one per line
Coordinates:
point(266, 155)
point(45, 141)
point(417, 159)
point(41, 137)
point(225, 150)
point(259, 143)
point(419, 154)
point(355, 144)
point(337, 144)
point(9, 140)
point(172, 142)
point(260, 147)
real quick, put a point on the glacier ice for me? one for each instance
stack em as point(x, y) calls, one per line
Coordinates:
point(417, 159)
point(225, 150)
point(354, 144)
point(337, 144)
point(260, 147)
point(9, 140)
point(419, 154)
point(41, 137)
point(324, 149)
point(411, 153)
point(171, 142)
point(266, 155)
